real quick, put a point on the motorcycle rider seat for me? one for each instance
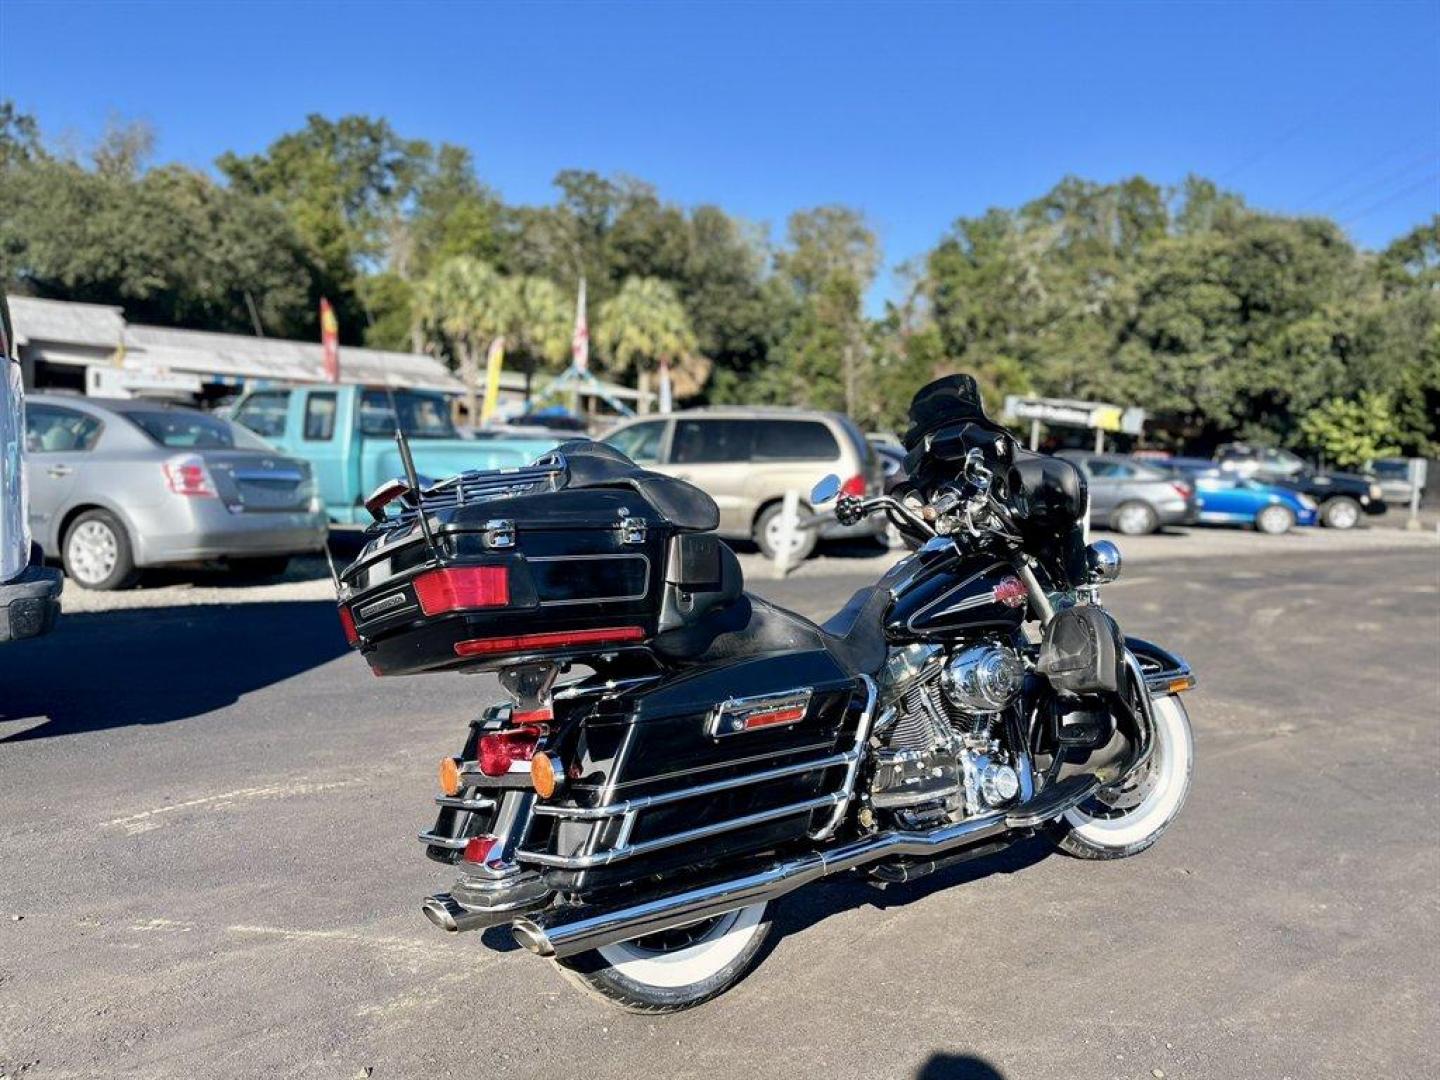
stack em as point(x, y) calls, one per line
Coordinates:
point(854, 636)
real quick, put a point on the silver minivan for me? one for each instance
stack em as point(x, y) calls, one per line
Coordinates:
point(29, 592)
point(746, 458)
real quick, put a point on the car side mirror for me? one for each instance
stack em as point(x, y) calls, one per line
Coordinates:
point(825, 491)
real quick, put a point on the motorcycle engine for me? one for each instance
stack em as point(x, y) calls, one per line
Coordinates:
point(942, 756)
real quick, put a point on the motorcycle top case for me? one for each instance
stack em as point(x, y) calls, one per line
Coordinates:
point(537, 563)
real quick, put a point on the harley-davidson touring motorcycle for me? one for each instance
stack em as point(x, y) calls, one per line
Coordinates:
point(676, 754)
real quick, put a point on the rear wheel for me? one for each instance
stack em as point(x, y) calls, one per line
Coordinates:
point(1127, 819)
point(1275, 520)
point(769, 535)
point(1135, 519)
point(97, 553)
point(1340, 513)
point(676, 969)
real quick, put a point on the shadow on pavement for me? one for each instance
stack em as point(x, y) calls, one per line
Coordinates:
point(812, 904)
point(957, 1067)
point(151, 666)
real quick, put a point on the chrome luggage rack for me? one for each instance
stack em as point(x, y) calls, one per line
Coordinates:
point(547, 473)
point(629, 810)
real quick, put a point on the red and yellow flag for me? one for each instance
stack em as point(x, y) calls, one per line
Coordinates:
point(330, 340)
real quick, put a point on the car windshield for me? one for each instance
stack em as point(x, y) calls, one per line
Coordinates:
point(425, 416)
point(185, 430)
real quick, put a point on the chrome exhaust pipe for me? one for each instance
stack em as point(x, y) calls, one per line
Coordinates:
point(443, 910)
point(564, 932)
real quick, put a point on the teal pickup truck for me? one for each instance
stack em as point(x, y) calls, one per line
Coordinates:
point(347, 433)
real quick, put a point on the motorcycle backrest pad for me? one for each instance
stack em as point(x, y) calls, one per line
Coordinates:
point(1046, 491)
point(1082, 652)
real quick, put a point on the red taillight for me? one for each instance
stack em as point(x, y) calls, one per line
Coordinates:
point(559, 639)
point(187, 475)
point(347, 623)
point(478, 848)
point(1184, 490)
point(500, 749)
point(461, 587)
point(854, 486)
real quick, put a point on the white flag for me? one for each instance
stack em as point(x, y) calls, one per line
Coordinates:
point(580, 343)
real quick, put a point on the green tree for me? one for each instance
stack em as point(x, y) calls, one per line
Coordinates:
point(644, 326)
point(1352, 433)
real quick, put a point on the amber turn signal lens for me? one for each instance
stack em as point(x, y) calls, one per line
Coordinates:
point(1185, 682)
point(450, 775)
point(543, 775)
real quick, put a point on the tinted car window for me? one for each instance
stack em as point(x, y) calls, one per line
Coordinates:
point(264, 413)
point(425, 416)
point(320, 417)
point(640, 442)
point(700, 442)
point(794, 440)
point(193, 431)
point(49, 430)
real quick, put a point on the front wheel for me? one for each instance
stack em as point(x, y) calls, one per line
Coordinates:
point(1340, 513)
point(1275, 520)
point(676, 969)
point(1126, 820)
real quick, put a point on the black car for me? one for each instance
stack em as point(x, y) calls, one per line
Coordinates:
point(1343, 497)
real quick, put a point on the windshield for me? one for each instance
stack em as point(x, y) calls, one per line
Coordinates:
point(184, 430)
point(425, 416)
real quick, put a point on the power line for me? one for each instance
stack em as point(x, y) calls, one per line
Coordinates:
point(1355, 174)
point(1367, 190)
point(1392, 197)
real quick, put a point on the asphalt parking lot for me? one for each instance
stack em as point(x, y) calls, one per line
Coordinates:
point(208, 865)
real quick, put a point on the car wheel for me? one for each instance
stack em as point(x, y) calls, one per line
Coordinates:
point(1135, 519)
point(97, 552)
point(1275, 520)
point(767, 535)
point(1340, 513)
point(258, 569)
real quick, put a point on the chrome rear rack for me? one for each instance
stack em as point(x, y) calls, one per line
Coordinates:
point(548, 473)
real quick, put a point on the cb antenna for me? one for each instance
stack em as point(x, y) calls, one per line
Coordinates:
point(411, 476)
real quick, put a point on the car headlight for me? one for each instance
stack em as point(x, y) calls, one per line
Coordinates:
point(1375, 491)
point(1308, 503)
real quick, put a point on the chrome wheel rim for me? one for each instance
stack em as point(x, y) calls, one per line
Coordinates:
point(93, 552)
point(1274, 520)
point(774, 533)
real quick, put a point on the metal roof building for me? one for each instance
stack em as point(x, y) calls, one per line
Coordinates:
point(60, 339)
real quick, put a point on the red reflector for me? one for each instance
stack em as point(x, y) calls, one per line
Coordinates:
point(462, 587)
point(558, 639)
point(478, 848)
point(854, 486)
point(533, 716)
point(500, 749)
point(347, 623)
point(775, 716)
point(1011, 592)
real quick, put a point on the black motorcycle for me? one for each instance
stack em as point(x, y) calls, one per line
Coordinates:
point(676, 753)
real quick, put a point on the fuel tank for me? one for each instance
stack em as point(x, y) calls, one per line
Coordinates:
point(952, 592)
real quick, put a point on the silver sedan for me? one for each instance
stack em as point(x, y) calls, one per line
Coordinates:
point(120, 485)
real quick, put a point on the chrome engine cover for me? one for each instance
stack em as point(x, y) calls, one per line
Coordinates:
point(983, 678)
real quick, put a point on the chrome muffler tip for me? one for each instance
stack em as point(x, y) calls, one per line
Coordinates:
point(529, 935)
point(441, 910)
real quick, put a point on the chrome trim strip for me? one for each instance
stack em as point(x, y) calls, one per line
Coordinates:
point(728, 717)
point(457, 803)
point(435, 839)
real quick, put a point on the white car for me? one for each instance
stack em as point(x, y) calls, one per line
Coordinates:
point(29, 591)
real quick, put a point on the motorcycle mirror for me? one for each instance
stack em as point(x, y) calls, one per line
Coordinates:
point(825, 490)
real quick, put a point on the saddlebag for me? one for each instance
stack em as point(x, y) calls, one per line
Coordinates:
point(719, 763)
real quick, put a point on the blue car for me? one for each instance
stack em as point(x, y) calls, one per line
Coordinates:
point(1222, 498)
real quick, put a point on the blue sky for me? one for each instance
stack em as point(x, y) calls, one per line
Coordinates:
point(913, 113)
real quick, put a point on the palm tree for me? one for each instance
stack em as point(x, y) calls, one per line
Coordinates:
point(537, 322)
point(465, 303)
point(643, 326)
